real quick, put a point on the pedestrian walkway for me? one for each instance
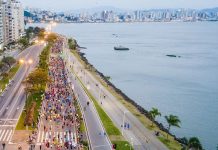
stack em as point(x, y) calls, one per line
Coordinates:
point(5, 135)
point(59, 121)
point(57, 137)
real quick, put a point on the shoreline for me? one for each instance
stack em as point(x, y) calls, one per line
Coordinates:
point(110, 85)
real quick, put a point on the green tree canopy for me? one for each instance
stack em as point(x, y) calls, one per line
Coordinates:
point(37, 78)
point(9, 61)
point(172, 121)
point(24, 42)
point(3, 67)
point(154, 112)
point(51, 38)
point(194, 144)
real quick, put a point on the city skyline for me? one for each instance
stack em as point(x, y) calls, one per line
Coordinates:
point(66, 5)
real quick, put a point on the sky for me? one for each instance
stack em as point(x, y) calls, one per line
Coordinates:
point(66, 5)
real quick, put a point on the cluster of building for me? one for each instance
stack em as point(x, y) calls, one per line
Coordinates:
point(36, 15)
point(11, 22)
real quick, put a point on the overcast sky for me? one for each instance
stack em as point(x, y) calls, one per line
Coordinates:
point(64, 5)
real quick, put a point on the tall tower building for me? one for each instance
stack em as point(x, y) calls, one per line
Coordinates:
point(1, 27)
point(13, 16)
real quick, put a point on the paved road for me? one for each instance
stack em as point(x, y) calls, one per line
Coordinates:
point(139, 136)
point(98, 140)
point(13, 98)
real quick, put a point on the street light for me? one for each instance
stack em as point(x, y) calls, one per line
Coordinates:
point(88, 87)
point(36, 41)
point(21, 61)
point(42, 41)
point(30, 61)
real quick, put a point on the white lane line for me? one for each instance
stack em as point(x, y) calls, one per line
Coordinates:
point(2, 134)
point(38, 136)
point(10, 134)
point(46, 136)
point(61, 137)
point(5, 135)
point(68, 136)
point(42, 136)
point(72, 138)
point(75, 137)
point(64, 137)
point(50, 136)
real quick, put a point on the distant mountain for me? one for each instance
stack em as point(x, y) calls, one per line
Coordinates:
point(211, 10)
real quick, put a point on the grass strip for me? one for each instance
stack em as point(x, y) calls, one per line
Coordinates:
point(5, 79)
point(36, 97)
point(122, 145)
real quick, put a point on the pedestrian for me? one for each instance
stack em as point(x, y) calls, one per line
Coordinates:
point(3, 145)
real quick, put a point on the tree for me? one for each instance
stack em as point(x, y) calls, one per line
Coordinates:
point(24, 42)
point(29, 32)
point(41, 35)
point(172, 121)
point(154, 113)
point(194, 144)
point(37, 79)
point(72, 43)
point(52, 37)
point(9, 61)
point(3, 67)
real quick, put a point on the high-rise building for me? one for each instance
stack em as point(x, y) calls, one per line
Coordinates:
point(13, 21)
point(1, 27)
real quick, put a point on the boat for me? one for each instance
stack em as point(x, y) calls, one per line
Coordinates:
point(121, 48)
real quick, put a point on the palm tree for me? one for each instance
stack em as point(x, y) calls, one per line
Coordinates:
point(172, 121)
point(154, 112)
point(194, 144)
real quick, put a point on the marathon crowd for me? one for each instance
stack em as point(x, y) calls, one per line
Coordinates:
point(59, 119)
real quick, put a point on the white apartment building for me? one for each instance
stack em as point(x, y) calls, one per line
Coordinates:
point(1, 27)
point(13, 21)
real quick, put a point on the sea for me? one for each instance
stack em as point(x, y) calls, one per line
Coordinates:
point(186, 86)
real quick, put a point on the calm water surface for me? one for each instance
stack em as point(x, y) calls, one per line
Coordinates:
point(186, 86)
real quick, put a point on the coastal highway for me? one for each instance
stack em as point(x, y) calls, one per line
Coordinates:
point(138, 136)
point(13, 98)
point(96, 133)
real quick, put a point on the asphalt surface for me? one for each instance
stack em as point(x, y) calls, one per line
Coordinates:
point(140, 137)
point(13, 98)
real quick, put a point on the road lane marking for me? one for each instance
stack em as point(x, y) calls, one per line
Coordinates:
point(5, 135)
point(61, 137)
point(75, 137)
point(68, 136)
point(10, 134)
point(2, 134)
point(38, 136)
point(46, 136)
point(42, 136)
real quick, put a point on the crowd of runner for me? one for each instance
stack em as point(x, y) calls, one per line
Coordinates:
point(59, 118)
